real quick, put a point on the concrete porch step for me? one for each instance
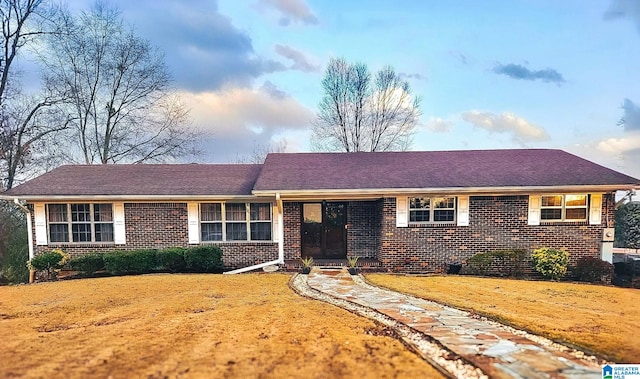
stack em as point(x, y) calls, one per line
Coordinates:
point(364, 264)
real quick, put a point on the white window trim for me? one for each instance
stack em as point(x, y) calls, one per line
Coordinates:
point(563, 207)
point(70, 224)
point(247, 221)
point(432, 210)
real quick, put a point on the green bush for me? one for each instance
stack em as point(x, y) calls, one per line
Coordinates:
point(593, 270)
point(172, 259)
point(204, 259)
point(87, 264)
point(130, 262)
point(14, 244)
point(497, 263)
point(49, 263)
point(551, 263)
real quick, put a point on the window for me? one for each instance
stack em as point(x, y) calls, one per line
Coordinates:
point(80, 222)
point(235, 222)
point(564, 208)
point(432, 210)
point(211, 222)
point(260, 222)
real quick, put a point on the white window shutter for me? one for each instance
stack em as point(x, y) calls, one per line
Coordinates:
point(402, 212)
point(194, 220)
point(463, 210)
point(595, 209)
point(41, 223)
point(535, 201)
point(275, 223)
point(119, 228)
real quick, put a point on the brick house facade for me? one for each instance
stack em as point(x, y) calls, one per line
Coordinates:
point(414, 212)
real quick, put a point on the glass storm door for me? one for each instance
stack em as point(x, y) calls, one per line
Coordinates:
point(323, 230)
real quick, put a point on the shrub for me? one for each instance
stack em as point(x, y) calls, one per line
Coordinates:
point(204, 259)
point(551, 263)
point(498, 263)
point(593, 270)
point(49, 263)
point(87, 264)
point(172, 259)
point(130, 262)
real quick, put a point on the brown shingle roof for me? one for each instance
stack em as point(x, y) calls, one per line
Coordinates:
point(143, 180)
point(330, 171)
point(433, 169)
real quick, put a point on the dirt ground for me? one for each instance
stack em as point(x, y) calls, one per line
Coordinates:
point(601, 319)
point(181, 326)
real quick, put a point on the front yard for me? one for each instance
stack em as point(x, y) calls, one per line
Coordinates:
point(604, 320)
point(253, 325)
point(157, 326)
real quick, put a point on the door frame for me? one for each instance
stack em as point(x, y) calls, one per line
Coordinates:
point(323, 231)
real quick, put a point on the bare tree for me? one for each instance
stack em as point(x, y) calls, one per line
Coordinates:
point(119, 87)
point(260, 152)
point(25, 127)
point(357, 115)
point(25, 120)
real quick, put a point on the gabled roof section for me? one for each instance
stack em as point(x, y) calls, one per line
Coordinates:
point(433, 169)
point(144, 180)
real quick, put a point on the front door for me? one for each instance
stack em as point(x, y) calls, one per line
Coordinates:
point(323, 230)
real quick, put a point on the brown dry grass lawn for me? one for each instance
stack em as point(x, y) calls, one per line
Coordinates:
point(604, 320)
point(158, 326)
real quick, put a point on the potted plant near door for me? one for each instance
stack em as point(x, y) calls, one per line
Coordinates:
point(307, 262)
point(351, 261)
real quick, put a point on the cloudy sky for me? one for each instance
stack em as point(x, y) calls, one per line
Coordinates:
point(491, 74)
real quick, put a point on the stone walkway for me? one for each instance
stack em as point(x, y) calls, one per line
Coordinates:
point(460, 343)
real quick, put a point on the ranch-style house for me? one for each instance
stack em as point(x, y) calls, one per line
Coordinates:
point(407, 211)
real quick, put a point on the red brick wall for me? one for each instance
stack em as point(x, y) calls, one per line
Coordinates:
point(161, 225)
point(291, 218)
point(364, 220)
point(495, 222)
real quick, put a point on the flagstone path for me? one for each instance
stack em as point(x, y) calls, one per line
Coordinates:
point(459, 343)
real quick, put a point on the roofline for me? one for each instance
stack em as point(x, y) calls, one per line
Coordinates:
point(361, 193)
point(379, 192)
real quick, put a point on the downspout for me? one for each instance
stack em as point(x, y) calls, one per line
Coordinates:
point(280, 232)
point(29, 234)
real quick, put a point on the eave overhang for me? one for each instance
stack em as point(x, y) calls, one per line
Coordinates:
point(134, 198)
point(332, 194)
point(372, 193)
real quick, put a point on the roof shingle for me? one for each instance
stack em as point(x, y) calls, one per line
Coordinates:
point(433, 169)
point(143, 180)
point(330, 171)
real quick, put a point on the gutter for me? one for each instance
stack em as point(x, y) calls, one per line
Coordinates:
point(131, 198)
point(29, 235)
point(380, 192)
point(280, 232)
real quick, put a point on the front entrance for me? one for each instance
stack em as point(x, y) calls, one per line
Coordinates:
point(323, 230)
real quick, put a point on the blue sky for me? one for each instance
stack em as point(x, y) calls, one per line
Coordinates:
point(491, 74)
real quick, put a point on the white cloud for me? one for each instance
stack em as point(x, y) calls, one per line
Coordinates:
point(618, 153)
point(237, 119)
point(439, 125)
point(291, 10)
point(522, 131)
point(615, 146)
point(300, 61)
